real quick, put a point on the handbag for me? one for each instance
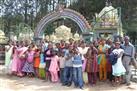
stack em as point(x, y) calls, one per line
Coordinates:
point(42, 65)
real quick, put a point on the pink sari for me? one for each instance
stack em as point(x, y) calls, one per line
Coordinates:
point(14, 65)
point(84, 64)
point(21, 61)
point(54, 64)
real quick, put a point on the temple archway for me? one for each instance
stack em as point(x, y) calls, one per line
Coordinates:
point(62, 13)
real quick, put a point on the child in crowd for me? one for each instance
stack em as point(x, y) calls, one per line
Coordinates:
point(83, 50)
point(62, 65)
point(37, 62)
point(68, 67)
point(42, 65)
point(77, 69)
point(118, 70)
point(28, 67)
point(54, 68)
point(48, 55)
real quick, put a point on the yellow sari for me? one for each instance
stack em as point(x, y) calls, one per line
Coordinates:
point(102, 62)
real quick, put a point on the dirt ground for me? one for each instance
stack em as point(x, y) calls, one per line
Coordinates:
point(12, 83)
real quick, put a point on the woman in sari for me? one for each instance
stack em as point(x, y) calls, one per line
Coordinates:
point(91, 65)
point(21, 54)
point(8, 56)
point(15, 59)
point(102, 61)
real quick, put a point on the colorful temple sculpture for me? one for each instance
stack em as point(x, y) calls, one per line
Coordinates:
point(62, 12)
point(62, 33)
point(108, 22)
point(3, 42)
point(3, 38)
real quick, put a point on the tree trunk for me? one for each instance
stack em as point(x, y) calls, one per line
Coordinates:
point(26, 11)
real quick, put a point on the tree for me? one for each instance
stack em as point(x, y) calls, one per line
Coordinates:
point(88, 8)
point(129, 16)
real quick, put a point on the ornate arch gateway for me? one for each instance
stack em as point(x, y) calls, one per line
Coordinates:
point(62, 13)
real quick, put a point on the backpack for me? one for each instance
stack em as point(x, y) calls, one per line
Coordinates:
point(113, 58)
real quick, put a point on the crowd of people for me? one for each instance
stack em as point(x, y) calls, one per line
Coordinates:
point(73, 62)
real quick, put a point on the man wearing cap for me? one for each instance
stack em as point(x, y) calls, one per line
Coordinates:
point(127, 58)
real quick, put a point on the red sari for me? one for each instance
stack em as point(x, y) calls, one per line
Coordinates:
point(91, 65)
